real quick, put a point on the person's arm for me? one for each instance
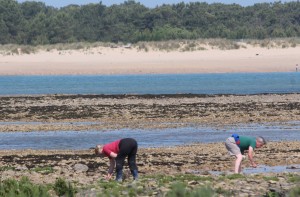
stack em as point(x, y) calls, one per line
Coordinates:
point(250, 156)
point(112, 163)
point(113, 155)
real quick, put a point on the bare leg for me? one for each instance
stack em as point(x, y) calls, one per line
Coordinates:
point(238, 161)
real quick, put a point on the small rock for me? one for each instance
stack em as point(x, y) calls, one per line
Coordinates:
point(21, 168)
point(81, 168)
point(192, 183)
point(272, 182)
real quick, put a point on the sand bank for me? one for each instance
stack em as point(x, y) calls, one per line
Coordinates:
point(105, 60)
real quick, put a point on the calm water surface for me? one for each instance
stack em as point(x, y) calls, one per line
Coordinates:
point(228, 83)
point(145, 137)
point(263, 169)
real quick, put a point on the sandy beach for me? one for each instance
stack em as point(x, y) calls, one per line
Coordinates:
point(121, 60)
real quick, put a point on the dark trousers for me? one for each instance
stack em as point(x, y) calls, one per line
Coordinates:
point(127, 148)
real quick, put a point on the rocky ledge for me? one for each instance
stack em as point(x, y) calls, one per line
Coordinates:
point(143, 111)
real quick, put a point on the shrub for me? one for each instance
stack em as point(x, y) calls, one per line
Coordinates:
point(177, 190)
point(294, 178)
point(204, 191)
point(63, 189)
point(180, 190)
point(111, 188)
point(295, 192)
point(22, 188)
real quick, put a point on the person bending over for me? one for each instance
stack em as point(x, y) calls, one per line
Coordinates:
point(236, 145)
point(117, 151)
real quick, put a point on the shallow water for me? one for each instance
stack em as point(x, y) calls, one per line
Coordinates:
point(262, 169)
point(145, 137)
point(271, 169)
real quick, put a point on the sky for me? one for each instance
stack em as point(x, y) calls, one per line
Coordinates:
point(147, 3)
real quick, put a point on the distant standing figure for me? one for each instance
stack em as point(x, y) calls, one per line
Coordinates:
point(296, 67)
point(117, 151)
point(236, 145)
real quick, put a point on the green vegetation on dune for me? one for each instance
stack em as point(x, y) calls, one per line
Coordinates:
point(34, 23)
point(167, 46)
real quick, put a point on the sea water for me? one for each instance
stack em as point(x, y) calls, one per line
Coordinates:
point(227, 83)
point(145, 137)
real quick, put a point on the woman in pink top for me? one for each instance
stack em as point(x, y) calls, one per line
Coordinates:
point(117, 151)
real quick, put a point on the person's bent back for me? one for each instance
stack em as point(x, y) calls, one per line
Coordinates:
point(117, 151)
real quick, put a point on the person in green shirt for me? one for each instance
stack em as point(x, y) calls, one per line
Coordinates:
point(236, 146)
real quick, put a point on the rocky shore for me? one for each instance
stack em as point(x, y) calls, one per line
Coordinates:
point(100, 112)
point(143, 111)
point(202, 160)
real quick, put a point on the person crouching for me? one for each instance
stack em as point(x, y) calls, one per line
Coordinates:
point(117, 151)
point(236, 145)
